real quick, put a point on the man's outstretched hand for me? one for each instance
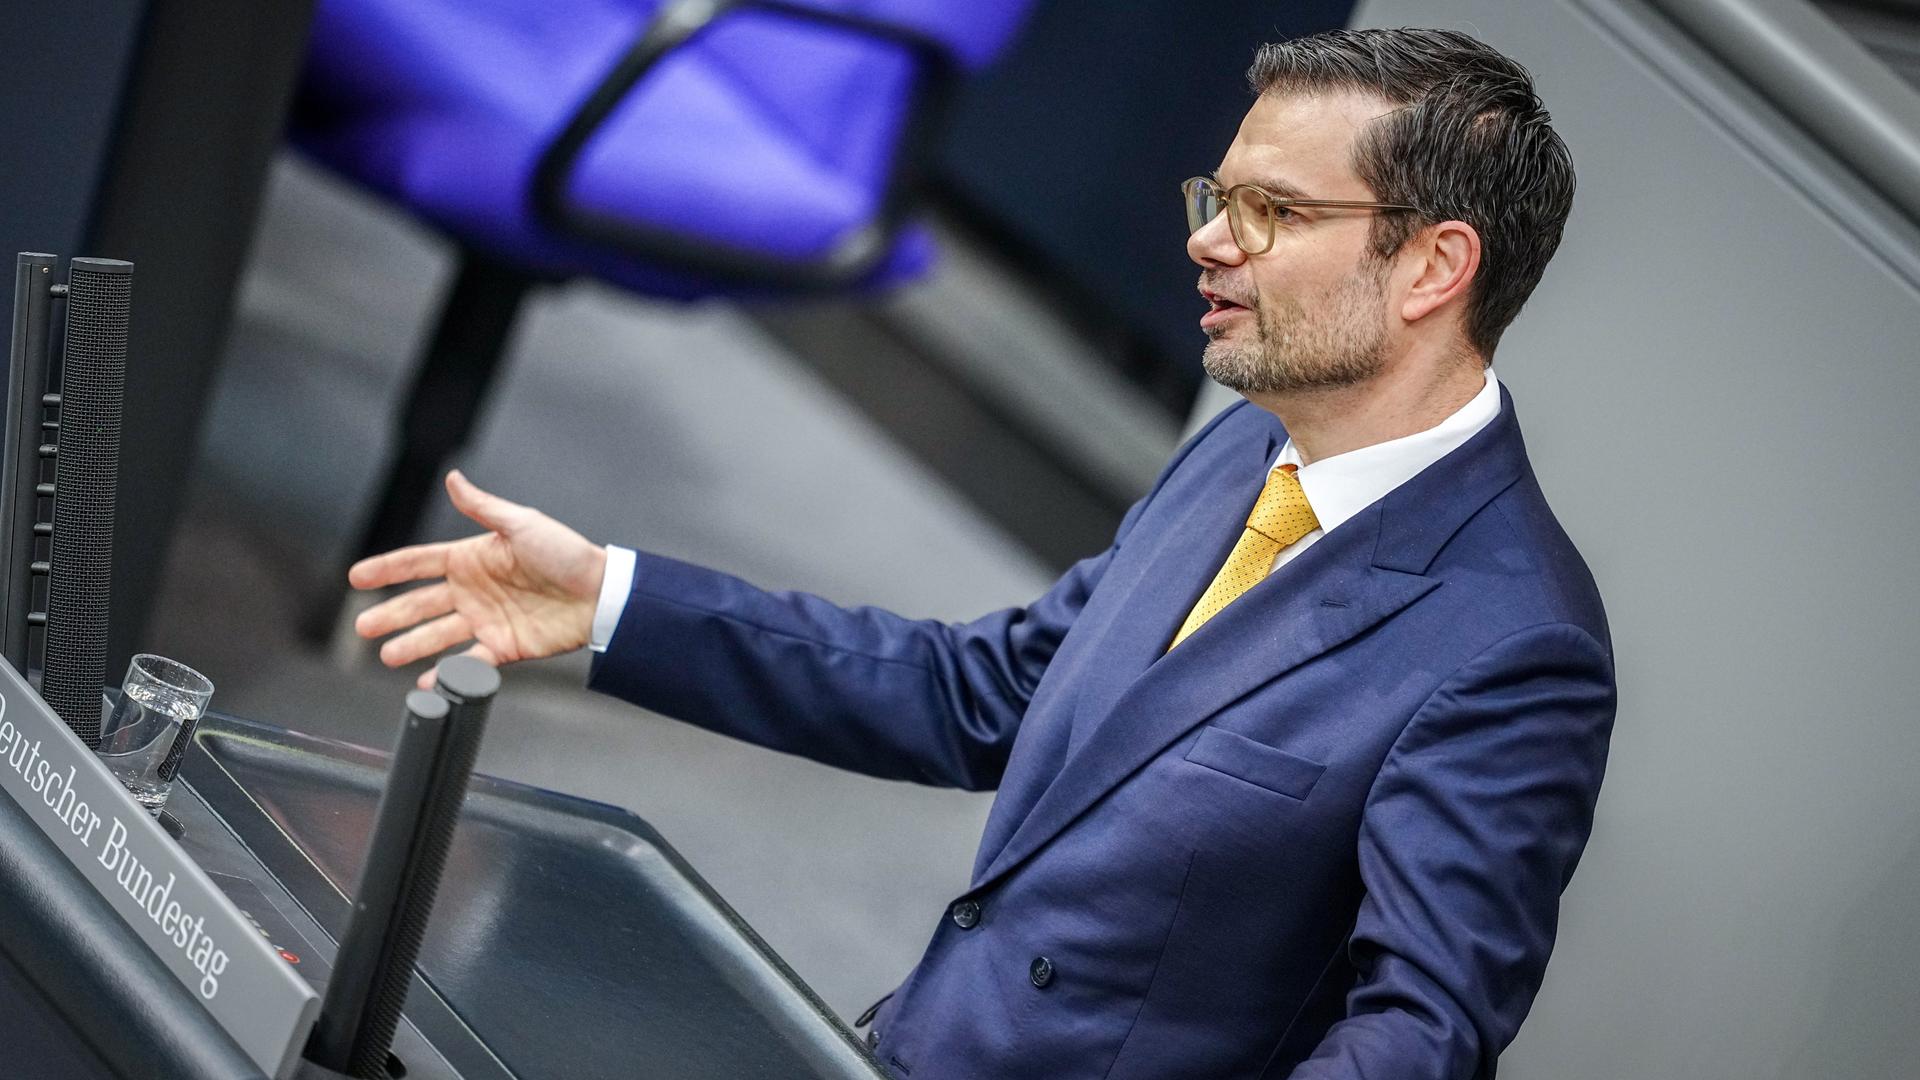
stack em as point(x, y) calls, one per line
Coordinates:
point(524, 589)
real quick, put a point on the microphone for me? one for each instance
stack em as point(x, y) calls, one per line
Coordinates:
point(412, 834)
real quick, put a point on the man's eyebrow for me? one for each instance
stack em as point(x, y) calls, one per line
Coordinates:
point(1272, 185)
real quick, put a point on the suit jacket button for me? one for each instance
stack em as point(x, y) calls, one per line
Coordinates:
point(1040, 971)
point(873, 1039)
point(966, 914)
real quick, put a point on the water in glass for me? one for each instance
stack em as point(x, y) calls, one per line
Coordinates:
point(148, 733)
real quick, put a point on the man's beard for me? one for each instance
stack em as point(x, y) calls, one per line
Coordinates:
point(1341, 342)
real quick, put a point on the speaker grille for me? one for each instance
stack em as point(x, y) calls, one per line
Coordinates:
point(93, 376)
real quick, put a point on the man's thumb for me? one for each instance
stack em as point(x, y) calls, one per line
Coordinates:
point(488, 510)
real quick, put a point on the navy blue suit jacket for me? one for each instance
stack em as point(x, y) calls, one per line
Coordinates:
point(1324, 839)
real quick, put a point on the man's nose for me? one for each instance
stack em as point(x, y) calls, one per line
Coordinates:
point(1213, 244)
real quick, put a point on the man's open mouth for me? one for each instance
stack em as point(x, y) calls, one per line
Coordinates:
point(1219, 307)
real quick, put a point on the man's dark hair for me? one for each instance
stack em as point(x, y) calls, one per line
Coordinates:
point(1470, 142)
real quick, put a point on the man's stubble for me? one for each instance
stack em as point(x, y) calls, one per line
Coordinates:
point(1340, 342)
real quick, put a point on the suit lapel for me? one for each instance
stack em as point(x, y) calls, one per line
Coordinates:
point(1355, 577)
point(1327, 596)
point(1160, 588)
point(1170, 581)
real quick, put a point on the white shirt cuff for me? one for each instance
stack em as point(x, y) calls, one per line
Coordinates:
point(614, 589)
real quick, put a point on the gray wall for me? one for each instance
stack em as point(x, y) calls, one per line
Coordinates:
point(1717, 382)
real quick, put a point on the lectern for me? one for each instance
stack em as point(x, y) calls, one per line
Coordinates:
point(567, 939)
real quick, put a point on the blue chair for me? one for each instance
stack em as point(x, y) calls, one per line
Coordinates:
point(680, 149)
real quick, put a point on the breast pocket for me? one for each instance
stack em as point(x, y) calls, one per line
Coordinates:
point(1255, 762)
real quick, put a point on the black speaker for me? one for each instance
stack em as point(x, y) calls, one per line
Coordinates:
point(93, 379)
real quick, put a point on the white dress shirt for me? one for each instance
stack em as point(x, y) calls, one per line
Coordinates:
point(1345, 484)
point(1337, 488)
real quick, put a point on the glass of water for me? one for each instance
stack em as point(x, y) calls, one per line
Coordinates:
point(151, 728)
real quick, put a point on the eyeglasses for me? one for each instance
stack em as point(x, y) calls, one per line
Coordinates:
point(1251, 211)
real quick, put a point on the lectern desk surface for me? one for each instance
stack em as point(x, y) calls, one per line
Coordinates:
point(569, 940)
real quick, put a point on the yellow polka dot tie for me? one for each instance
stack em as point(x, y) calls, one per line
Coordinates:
point(1280, 517)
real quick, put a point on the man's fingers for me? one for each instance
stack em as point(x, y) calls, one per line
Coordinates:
point(440, 634)
point(426, 681)
point(404, 610)
point(489, 510)
point(395, 567)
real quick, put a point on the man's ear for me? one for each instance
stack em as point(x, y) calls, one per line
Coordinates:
point(1446, 257)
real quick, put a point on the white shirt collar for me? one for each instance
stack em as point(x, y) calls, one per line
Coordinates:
point(1345, 484)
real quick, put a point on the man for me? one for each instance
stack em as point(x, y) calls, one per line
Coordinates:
point(1288, 793)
